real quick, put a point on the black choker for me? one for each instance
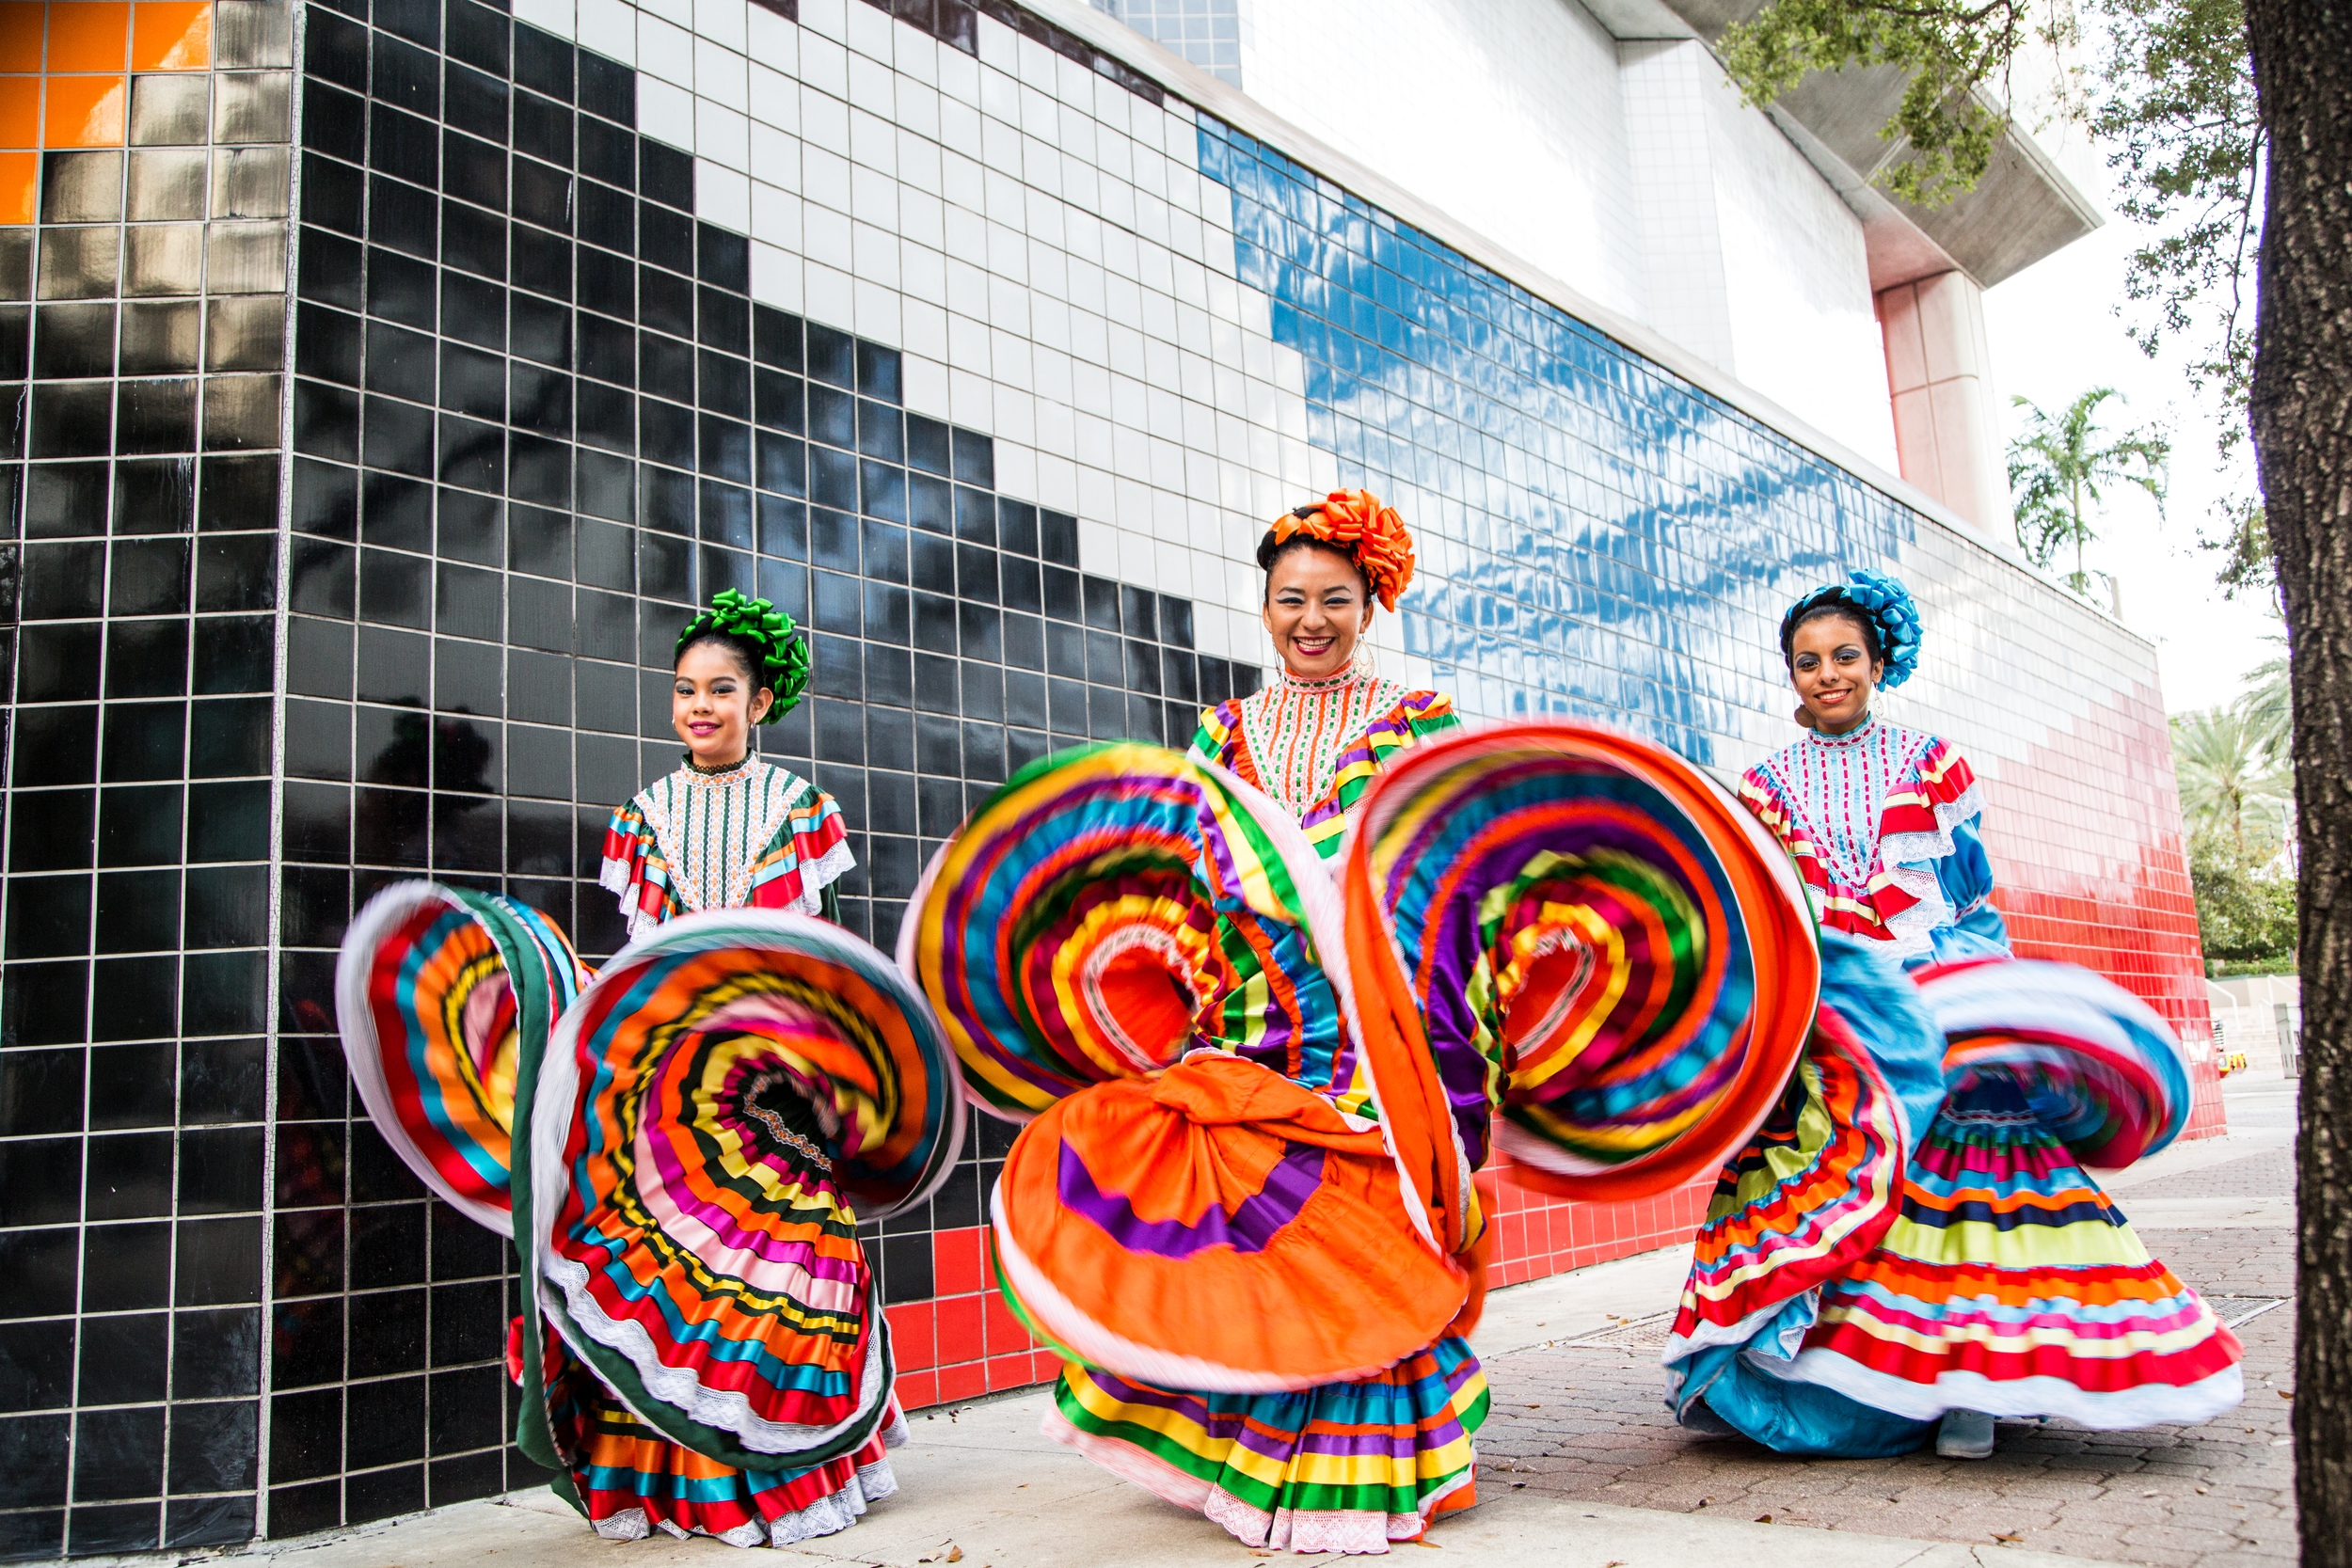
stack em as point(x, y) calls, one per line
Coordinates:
point(693, 767)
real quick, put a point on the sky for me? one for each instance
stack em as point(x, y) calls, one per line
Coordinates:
point(2056, 332)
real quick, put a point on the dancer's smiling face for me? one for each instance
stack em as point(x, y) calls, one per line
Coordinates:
point(714, 702)
point(1831, 666)
point(1316, 609)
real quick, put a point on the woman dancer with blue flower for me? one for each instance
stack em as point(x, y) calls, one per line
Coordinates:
point(1867, 1280)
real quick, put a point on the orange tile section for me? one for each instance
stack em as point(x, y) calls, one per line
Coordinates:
point(171, 34)
point(20, 181)
point(88, 35)
point(20, 111)
point(84, 111)
point(64, 76)
point(21, 24)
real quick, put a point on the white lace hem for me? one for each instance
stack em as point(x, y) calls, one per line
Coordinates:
point(828, 1515)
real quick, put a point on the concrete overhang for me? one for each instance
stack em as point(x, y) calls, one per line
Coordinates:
point(2023, 210)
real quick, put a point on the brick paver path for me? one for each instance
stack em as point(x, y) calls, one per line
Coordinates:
point(1591, 1425)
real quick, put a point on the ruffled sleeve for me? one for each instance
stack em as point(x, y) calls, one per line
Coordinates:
point(1416, 715)
point(809, 853)
point(1964, 877)
point(1933, 886)
point(1219, 733)
point(634, 869)
point(1761, 794)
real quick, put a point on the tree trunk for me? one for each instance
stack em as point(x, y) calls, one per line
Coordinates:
point(2302, 426)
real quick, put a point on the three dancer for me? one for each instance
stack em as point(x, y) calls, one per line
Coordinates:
point(1197, 1074)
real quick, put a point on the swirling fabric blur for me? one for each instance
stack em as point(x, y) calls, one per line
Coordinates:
point(1138, 953)
point(2100, 1071)
point(1112, 908)
point(714, 1116)
point(436, 990)
point(1589, 936)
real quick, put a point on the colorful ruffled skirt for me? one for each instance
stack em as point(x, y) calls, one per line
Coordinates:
point(1996, 1277)
point(681, 1150)
point(2011, 1284)
point(629, 1481)
point(1341, 1467)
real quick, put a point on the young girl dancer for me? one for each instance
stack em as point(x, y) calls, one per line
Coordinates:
point(2006, 1283)
point(729, 829)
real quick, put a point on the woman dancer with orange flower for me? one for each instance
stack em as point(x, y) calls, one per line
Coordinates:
point(1350, 1465)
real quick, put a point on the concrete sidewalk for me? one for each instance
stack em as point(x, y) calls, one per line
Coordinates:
point(1574, 1421)
point(986, 1486)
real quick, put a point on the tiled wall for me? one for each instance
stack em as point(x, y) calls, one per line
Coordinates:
point(965, 342)
point(141, 221)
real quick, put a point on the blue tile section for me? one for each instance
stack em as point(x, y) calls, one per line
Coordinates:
point(1597, 535)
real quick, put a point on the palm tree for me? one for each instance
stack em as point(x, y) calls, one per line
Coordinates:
point(2269, 701)
point(2229, 774)
point(2059, 464)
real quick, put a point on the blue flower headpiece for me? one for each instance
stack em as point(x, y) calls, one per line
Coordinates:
point(1886, 608)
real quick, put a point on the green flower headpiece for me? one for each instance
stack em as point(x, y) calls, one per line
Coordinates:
point(782, 651)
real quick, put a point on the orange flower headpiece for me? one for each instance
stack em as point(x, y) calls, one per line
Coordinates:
point(1371, 534)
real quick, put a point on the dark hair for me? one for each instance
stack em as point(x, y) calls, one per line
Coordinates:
point(1271, 550)
point(1873, 642)
point(748, 656)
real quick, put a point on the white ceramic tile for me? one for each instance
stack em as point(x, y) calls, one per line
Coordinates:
point(776, 276)
point(967, 344)
point(922, 217)
point(874, 143)
point(1016, 468)
point(722, 196)
point(1041, 165)
point(776, 157)
point(959, 127)
point(771, 40)
point(877, 311)
point(918, 118)
point(829, 296)
point(559, 17)
point(824, 64)
point(924, 382)
point(665, 113)
point(776, 217)
point(970, 399)
point(824, 178)
point(722, 135)
point(774, 97)
point(826, 234)
point(726, 21)
point(827, 18)
point(915, 54)
point(722, 74)
point(874, 252)
point(665, 50)
point(873, 85)
point(924, 326)
point(870, 30)
point(825, 121)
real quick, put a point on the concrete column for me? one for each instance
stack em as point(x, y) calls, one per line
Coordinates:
point(1948, 426)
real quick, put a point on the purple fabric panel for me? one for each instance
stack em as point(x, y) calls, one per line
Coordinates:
point(1259, 1219)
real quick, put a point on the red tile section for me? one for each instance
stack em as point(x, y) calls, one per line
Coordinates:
point(2090, 865)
